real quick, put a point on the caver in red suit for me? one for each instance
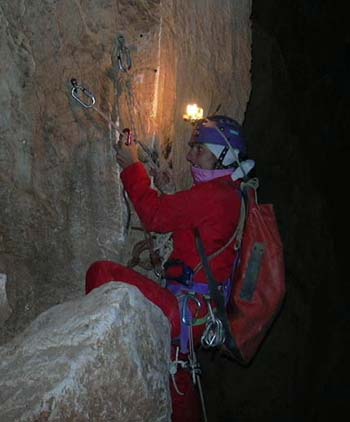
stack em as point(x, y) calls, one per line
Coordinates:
point(212, 206)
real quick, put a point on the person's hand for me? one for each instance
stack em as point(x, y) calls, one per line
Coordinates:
point(125, 154)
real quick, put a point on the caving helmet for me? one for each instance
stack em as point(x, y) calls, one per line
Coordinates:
point(223, 136)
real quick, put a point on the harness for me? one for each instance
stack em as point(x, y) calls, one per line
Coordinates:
point(186, 289)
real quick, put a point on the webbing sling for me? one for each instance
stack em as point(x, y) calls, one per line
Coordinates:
point(218, 298)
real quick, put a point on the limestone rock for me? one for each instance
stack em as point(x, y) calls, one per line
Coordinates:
point(103, 357)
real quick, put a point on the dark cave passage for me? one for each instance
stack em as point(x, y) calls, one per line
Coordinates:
point(297, 121)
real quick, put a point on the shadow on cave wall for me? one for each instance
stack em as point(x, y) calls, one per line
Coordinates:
point(296, 123)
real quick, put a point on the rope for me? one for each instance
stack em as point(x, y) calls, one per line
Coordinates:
point(237, 235)
point(193, 365)
point(173, 370)
point(195, 369)
point(252, 183)
point(202, 400)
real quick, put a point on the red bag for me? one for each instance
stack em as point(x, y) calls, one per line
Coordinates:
point(258, 281)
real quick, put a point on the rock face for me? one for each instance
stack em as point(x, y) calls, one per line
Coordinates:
point(5, 309)
point(61, 200)
point(101, 358)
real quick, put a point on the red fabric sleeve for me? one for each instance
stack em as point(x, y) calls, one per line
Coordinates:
point(212, 207)
point(159, 213)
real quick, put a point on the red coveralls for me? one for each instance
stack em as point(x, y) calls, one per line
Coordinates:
point(213, 208)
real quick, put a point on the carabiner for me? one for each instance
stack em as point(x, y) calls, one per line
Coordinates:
point(75, 94)
point(214, 333)
point(185, 317)
point(123, 55)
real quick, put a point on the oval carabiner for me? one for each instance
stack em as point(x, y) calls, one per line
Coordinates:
point(214, 333)
point(186, 316)
point(90, 99)
point(123, 55)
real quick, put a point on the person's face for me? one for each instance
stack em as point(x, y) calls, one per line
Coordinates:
point(200, 156)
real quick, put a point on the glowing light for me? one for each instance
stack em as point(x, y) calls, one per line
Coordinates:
point(193, 112)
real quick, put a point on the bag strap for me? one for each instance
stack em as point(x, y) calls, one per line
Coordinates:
point(218, 298)
point(238, 233)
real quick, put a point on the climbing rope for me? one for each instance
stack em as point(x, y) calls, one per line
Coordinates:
point(192, 364)
point(173, 368)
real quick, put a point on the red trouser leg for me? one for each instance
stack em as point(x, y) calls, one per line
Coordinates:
point(102, 272)
point(186, 408)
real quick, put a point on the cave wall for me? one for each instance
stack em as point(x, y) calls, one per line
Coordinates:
point(61, 200)
point(62, 204)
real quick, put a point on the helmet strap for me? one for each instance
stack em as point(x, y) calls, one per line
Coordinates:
point(219, 163)
point(229, 147)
